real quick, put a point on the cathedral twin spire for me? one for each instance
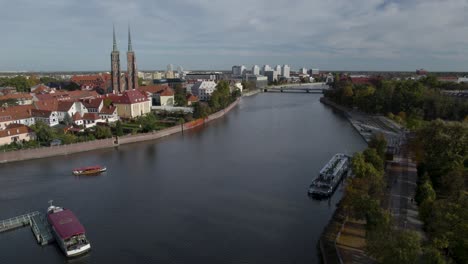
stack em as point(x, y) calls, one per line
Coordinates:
point(132, 73)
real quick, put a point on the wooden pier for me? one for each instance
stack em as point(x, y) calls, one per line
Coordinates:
point(37, 221)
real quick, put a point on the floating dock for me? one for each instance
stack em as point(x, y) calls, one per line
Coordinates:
point(39, 226)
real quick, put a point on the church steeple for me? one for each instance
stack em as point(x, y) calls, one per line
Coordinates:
point(132, 73)
point(115, 66)
point(115, 42)
point(129, 40)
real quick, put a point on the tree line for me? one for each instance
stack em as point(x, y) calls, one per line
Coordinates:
point(412, 101)
point(362, 200)
point(441, 149)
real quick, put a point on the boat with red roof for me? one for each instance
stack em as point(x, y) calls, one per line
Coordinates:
point(89, 170)
point(68, 231)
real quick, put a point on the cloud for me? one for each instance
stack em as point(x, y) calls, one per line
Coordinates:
point(336, 34)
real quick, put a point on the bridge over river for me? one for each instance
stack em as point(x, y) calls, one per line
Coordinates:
point(302, 87)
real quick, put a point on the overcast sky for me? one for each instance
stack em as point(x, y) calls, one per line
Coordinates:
point(67, 35)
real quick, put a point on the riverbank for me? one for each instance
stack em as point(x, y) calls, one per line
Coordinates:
point(251, 93)
point(45, 152)
point(367, 125)
point(400, 178)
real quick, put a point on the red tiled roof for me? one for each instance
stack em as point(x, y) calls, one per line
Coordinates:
point(68, 95)
point(15, 112)
point(447, 78)
point(41, 89)
point(91, 116)
point(17, 96)
point(77, 116)
point(360, 80)
point(92, 103)
point(15, 129)
point(192, 98)
point(128, 97)
point(95, 80)
point(153, 88)
point(167, 92)
point(108, 110)
point(64, 106)
point(41, 113)
point(50, 105)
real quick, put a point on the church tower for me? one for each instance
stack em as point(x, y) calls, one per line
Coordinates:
point(132, 73)
point(115, 67)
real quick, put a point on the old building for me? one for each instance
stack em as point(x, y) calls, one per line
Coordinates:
point(16, 133)
point(131, 104)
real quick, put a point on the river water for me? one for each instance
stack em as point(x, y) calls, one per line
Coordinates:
point(234, 191)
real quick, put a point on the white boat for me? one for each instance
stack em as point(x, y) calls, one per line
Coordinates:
point(68, 231)
point(330, 175)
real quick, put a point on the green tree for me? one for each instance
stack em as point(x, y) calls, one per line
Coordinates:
point(148, 122)
point(118, 128)
point(44, 133)
point(200, 110)
point(103, 132)
point(404, 248)
point(379, 143)
point(180, 96)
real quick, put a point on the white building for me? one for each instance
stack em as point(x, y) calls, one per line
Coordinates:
point(238, 70)
point(256, 70)
point(315, 71)
point(463, 79)
point(285, 72)
point(48, 117)
point(265, 68)
point(303, 71)
point(278, 69)
point(203, 89)
point(271, 75)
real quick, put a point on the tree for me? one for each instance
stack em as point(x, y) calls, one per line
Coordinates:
point(180, 96)
point(103, 132)
point(118, 128)
point(200, 110)
point(72, 86)
point(148, 122)
point(107, 102)
point(404, 248)
point(379, 143)
point(44, 133)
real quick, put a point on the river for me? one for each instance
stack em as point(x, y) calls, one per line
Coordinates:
point(234, 191)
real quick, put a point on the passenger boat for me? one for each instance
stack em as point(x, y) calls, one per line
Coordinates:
point(89, 170)
point(330, 175)
point(68, 231)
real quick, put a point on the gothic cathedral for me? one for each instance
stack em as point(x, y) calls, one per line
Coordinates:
point(132, 73)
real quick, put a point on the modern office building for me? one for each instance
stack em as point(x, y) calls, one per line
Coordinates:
point(255, 70)
point(286, 70)
point(238, 70)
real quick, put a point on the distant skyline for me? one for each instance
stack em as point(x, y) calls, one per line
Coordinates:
point(375, 35)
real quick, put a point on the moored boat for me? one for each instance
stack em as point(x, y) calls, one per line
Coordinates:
point(330, 176)
point(89, 170)
point(68, 231)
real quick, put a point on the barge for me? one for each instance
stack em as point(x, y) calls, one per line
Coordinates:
point(330, 176)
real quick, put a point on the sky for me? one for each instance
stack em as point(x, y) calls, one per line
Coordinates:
point(374, 35)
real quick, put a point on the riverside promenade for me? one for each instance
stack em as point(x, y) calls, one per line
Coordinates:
point(343, 241)
point(45, 152)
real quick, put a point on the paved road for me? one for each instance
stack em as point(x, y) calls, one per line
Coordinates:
point(403, 178)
